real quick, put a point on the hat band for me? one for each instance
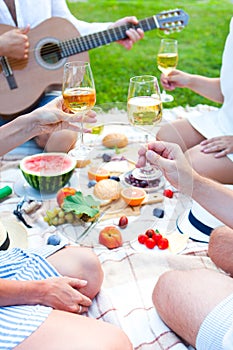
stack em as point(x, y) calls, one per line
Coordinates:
point(6, 243)
point(199, 225)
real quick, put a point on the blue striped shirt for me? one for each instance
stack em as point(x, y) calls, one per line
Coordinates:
point(18, 322)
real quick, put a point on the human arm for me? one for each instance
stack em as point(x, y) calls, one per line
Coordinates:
point(204, 86)
point(14, 43)
point(213, 196)
point(44, 120)
point(220, 145)
point(61, 293)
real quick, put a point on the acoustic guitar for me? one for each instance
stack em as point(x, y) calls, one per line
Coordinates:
point(23, 82)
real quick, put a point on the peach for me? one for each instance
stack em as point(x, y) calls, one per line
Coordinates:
point(64, 192)
point(110, 237)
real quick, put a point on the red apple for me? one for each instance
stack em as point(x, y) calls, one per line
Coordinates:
point(63, 193)
point(110, 237)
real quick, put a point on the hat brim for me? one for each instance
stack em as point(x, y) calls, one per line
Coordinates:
point(184, 226)
point(16, 231)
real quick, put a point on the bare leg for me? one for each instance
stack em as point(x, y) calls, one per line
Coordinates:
point(220, 248)
point(60, 141)
point(182, 301)
point(208, 166)
point(62, 330)
point(79, 262)
point(180, 132)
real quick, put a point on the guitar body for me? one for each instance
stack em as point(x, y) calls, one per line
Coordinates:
point(38, 73)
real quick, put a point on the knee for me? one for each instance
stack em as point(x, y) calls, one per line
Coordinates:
point(92, 271)
point(220, 247)
point(60, 141)
point(214, 242)
point(159, 295)
point(83, 263)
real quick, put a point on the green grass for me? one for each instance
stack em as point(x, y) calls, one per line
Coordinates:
point(200, 44)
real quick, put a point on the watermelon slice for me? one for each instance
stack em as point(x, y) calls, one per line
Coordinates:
point(47, 172)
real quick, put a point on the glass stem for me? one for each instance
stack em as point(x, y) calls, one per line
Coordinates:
point(82, 137)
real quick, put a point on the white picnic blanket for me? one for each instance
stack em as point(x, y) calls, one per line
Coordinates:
point(130, 274)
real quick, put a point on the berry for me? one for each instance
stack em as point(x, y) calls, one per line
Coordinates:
point(156, 237)
point(106, 157)
point(159, 213)
point(150, 243)
point(150, 232)
point(91, 183)
point(163, 243)
point(54, 240)
point(123, 222)
point(168, 193)
point(142, 238)
point(116, 178)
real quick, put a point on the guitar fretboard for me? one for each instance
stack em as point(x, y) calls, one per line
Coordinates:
point(87, 42)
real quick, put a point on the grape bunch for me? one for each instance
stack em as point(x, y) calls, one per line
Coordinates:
point(57, 216)
point(133, 181)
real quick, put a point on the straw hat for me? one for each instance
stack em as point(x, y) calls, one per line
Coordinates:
point(12, 233)
point(197, 222)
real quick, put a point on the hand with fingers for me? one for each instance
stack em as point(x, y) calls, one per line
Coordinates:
point(220, 145)
point(133, 35)
point(15, 43)
point(62, 293)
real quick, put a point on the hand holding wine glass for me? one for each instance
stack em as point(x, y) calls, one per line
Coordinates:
point(167, 60)
point(79, 97)
point(144, 109)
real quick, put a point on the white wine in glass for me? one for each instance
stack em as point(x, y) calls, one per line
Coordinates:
point(167, 60)
point(79, 97)
point(144, 109)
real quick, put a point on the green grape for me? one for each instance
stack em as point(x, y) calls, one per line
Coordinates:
point(54, 221)
point(69, 217)
point(61, 221)
point(61, 213)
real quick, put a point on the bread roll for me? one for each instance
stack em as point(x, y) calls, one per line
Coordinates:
point(115, 140)
point(107, 189)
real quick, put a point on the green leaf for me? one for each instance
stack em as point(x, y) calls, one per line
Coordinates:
point(79, 204)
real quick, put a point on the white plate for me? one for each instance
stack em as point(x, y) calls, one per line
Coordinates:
point(177, 243)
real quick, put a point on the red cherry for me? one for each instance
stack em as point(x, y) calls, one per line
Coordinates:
point(150, 232)
point(156, 237)
point(163, 243)
point(150, 243)
point(168, 193)
point(142, 238)
point(123, 222)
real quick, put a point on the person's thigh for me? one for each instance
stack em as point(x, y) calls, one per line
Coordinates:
point(62, 330)
point(79, 262)
point(220, 248)
point(218, 169)
point(180, 132)
point(183, 299)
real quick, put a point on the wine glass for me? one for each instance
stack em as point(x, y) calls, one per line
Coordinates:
point(79, 97)
point(167, 59)
point(144, 109)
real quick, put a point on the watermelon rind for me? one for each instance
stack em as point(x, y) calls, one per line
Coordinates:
point(55, 180)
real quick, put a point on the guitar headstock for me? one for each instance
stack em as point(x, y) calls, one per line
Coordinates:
point(171, 21)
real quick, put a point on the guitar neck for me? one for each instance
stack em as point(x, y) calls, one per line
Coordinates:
point(91, 41)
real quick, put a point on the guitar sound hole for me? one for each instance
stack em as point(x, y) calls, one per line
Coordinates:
point(50, 53)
